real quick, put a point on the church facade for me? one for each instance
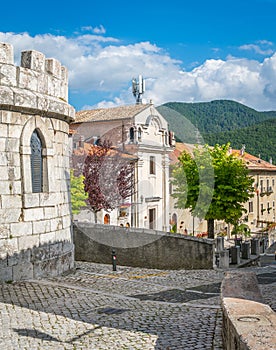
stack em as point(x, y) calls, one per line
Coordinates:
point(141, 131)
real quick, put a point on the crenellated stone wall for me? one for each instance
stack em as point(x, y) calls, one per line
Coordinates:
point(39, 85)
point(35, 227)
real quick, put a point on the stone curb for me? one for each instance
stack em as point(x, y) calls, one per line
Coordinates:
point(247, 322)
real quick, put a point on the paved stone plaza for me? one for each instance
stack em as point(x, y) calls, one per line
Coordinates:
point(132, 308)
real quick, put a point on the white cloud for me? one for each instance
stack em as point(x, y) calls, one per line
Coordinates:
point(257, 49)
point(104, 66)
point(96, 30)
point(99, 30)
point(265, 42)
point(261, 47)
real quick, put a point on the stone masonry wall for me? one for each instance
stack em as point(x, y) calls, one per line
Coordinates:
point(35, 228)
point(141, 247)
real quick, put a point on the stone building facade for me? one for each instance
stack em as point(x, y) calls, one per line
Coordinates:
point(35, 220)
point(260, 209)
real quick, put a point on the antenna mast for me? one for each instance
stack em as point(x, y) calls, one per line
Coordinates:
point(138, 88)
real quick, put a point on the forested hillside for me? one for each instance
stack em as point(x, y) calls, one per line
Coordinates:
point(259, 139)
point(221, 122)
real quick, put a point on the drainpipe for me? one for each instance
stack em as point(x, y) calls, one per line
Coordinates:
point(258, 201)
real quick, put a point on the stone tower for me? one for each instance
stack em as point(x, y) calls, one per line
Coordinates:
point(35, 220)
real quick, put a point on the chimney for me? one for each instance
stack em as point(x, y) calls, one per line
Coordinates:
point(242, 150)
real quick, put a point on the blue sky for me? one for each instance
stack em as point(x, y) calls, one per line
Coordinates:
point(187, 51)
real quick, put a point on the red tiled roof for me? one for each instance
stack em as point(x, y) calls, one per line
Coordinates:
point(252, 162)
point(255, 163)
point(179, 148)
point(112, 152)
point(122, 112)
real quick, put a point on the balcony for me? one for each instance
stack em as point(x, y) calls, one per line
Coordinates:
point(266, 191)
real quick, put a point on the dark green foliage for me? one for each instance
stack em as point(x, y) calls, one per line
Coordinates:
point(260, 139)
point(223, 121)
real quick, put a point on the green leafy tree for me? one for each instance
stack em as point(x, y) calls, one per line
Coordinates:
point(78, 196)
point(213, 183)
point(241, 229)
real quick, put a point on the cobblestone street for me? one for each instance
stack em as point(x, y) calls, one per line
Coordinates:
point(96, 308)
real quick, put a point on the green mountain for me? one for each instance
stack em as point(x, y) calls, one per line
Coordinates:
point(223, 121)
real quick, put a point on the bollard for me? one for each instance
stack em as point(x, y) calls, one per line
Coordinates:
point(224, 259)
point(262, 245)
point(235, 255)
point(219, 244)
point(217, 259)
point(238, 242)
point(255, 246)
point(114, 261)
point(245, 252)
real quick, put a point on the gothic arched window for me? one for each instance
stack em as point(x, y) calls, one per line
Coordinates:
point(36, 163)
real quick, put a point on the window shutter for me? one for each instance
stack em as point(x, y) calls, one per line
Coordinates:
point(36, 163)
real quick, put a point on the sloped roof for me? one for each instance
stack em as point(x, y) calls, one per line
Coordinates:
point(255, 163)
point(111, 152)
point(179, 148)
point(252, 162)
point(122, 112)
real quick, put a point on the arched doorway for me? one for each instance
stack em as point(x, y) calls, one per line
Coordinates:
point(174, 219)
point(107, 219)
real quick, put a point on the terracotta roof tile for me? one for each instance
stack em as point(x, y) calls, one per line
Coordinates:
point(179, 148)
point(112, 152)
point(255, 163)
point(252, 162)
point(123, 112)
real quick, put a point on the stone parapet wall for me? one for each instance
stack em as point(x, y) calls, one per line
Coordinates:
point(35, 228)
point(39, 85)
point(141, 247)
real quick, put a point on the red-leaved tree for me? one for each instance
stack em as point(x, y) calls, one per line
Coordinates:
point(108, 178)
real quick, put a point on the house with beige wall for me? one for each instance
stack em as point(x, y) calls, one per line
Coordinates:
point(260, 209)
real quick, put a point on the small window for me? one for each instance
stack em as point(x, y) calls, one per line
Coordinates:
point(131, 134)
point(139, 134)
point(36, 163)
point(152, 165)
point(152, 218)
point(170, 188)
point(250, 207)
point(166, 138)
